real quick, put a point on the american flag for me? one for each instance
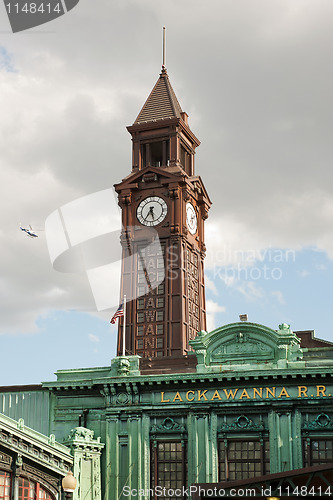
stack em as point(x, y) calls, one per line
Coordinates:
point(118, 314)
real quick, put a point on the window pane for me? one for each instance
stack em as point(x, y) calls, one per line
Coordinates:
point(169, 456)
point(244, 459)
point(321, 451)
point(5, 482)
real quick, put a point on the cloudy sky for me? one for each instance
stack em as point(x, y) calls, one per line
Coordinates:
point(255, 77)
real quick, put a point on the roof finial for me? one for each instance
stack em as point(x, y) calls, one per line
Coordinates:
point(163, 58)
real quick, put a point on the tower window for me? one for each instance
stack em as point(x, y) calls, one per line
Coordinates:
point(155, 154)
point(185, 160)
point(159, 315)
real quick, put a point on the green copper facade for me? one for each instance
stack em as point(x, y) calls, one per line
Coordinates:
point(251, 383)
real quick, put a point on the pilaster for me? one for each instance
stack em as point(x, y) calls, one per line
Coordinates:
point(213, 455)
point(112, 457)
point(280, 431)
point(86, 469)
point(145, 462)
point(202, 464)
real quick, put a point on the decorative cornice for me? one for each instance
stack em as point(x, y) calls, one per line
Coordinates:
point(27, 443)
point(222, 376)
point(40, 476)
point(82, 439)
point(5, 460)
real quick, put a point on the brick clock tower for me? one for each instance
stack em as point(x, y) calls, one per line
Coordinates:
point(164, 208)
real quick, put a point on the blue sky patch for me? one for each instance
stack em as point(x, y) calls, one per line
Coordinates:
point(6, 62)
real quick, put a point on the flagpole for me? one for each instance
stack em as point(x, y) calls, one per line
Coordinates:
point(124, 325)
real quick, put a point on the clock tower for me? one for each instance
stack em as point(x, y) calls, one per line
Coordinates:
point(164, 208)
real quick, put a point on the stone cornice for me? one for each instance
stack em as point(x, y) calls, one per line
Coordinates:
point(26, 442)
point(80, 383)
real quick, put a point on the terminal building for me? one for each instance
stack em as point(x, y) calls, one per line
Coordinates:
point(180, 410)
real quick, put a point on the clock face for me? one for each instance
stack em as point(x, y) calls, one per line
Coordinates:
point(152, 211)
point(191, 218)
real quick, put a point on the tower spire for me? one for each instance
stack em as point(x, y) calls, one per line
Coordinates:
point(163, 50)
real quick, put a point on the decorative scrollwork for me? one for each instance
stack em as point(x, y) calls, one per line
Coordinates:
point(321, 422)
point(242, 423)
point(168, 425)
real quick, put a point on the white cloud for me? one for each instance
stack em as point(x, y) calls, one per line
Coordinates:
point(250, 290)
point(263, 121)
point(212, 309)
point(93, 338)
point(279, 296)
point(210, 285)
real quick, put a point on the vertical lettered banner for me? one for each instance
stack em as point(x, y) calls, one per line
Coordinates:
point(23, 14)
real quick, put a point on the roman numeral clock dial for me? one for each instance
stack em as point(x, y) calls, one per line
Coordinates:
point(152, 211)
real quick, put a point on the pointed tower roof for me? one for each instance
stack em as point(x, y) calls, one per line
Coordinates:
point(162, 102)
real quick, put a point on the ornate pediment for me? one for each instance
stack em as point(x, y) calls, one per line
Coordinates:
point(249, 344)
point(241, 347)
point(152, 174)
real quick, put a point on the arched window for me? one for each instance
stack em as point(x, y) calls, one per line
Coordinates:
point(31, 490)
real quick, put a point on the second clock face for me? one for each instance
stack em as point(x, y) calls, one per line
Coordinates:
point(151, 211)
point(191, 218)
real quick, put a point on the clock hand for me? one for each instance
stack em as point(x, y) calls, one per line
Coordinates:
point(151, 212)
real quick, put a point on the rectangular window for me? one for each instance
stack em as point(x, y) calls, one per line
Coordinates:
point(168, 467)
point(318, 451)
point(242, 459)
point(160, 302)
point(159, 343)
point(141, 278)
point(159, 315)
point(4, 485)
point(160, 263)
point(140, 303)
